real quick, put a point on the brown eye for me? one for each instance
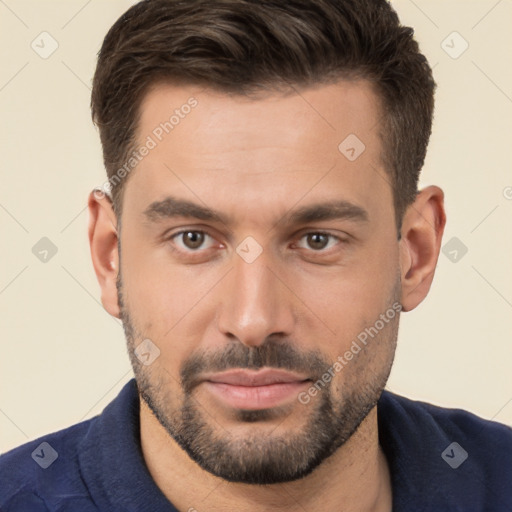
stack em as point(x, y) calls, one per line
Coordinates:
point(193, 239)
point(317, 241)
point(193, 244)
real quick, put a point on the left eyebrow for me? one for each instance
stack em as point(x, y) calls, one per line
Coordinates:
point(332, 210)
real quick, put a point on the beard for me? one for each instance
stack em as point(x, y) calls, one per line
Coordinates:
point(263, 456)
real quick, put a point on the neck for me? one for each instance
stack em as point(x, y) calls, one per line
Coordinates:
point(355, 478)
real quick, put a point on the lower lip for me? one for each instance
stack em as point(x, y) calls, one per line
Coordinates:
point(256, 397)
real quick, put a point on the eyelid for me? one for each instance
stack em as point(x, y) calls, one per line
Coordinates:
point(168, 234)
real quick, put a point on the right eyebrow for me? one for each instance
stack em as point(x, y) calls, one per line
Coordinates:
point(171, 207)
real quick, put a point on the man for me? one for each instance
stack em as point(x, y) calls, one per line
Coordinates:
point(261, 234)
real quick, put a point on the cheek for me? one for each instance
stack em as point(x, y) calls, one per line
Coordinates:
point(151, 282)
point(168, 304)
point(342, 303)
point(362, 291)
point(151, 291)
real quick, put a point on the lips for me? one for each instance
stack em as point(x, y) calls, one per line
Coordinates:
point(249, 390)
point(263, 377)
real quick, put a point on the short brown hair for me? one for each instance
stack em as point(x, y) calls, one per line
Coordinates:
point(243, 46)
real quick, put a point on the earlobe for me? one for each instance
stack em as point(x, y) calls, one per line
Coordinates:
point(103, 238)
point(422, 232)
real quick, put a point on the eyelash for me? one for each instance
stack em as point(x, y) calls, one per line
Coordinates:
point(189, 251)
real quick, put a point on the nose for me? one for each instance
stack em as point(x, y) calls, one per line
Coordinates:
point(255, 302)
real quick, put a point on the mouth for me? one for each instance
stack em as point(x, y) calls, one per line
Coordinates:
point(250, 390)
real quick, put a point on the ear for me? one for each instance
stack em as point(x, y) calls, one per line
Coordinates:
point(422, 232)
point(103, 243)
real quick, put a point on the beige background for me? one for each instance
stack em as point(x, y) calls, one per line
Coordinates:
point(63, 358)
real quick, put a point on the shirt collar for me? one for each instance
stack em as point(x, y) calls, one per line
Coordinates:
point(111, 460)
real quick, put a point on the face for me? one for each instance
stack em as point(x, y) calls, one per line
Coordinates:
point(262, 263)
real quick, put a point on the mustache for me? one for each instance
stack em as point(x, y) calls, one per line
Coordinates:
point(272, 353)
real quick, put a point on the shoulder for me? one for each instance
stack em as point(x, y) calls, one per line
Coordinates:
point(50, 462)
point(448, 455)
point(444, 422)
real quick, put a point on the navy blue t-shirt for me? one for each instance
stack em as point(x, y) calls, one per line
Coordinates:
point(440, 460)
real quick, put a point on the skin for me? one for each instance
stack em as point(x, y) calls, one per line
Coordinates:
point(256, 161)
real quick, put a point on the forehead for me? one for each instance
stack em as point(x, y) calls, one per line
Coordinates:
point(211, 145)
point(296, 120)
